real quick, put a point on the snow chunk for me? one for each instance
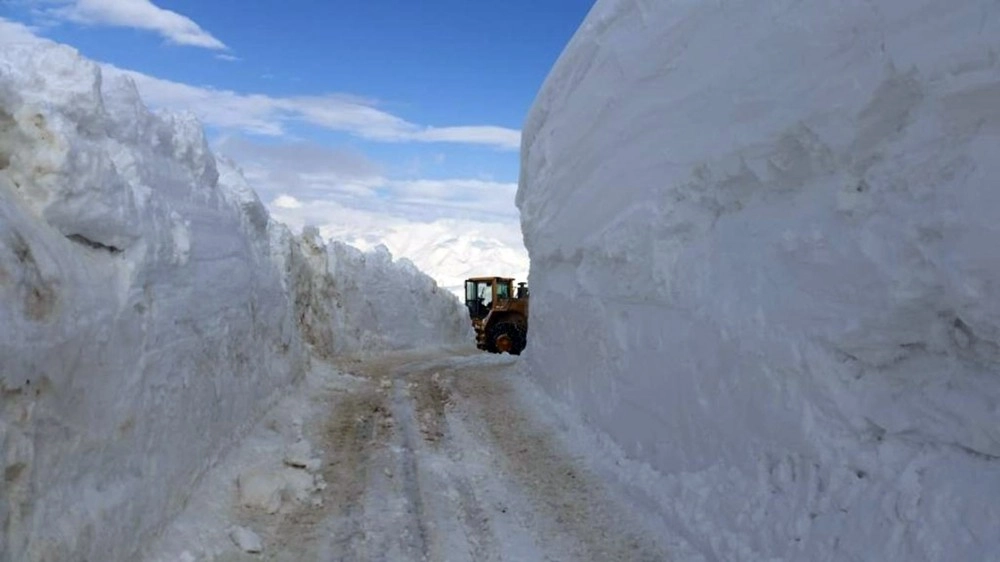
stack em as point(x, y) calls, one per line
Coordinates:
point(246, 540)
point(272, 489)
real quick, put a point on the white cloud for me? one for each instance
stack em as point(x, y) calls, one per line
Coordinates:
point(306, 171)
point(261, 114)
point(227, 57)
point(311, 173)
point(285, 201)
point(500, 136)
point(220, 108)
point(268, 115)
point(139, 14)
point(457, 197)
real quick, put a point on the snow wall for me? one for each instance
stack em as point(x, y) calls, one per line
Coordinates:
point(364, 302)
point(764, 260)
point(150, 309)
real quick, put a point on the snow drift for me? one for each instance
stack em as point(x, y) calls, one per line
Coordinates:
point(763, 261)
point(150, 309)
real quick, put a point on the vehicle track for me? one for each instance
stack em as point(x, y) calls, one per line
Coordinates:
point(431, 458)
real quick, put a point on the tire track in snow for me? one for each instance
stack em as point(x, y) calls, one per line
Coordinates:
point(432, 398)
point(431, 457)
point(393, 516)
point(571, 497)
point(415, 536)
point(358, 425)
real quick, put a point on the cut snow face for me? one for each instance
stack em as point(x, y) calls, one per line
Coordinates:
point(761, 240)
point(365, 302)
point(152, 310)
point(143, 323)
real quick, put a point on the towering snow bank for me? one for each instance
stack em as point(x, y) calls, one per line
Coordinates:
point(763, 260)
point(143, 323)
point(149, 307)
point(364, 302)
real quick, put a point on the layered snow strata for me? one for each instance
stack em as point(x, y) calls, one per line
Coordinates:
point(144, 323)
point(763, 260)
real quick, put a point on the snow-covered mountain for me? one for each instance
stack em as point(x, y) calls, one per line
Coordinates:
point(448, 250)
point(150, 308)
point(763, 262)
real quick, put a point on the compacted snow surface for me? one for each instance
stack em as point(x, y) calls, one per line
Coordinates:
point(764, 262)
point(409, 456)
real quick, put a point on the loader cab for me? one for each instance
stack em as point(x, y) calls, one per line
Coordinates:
point(484, 293)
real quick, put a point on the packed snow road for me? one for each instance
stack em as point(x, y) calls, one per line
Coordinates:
point(423, 457)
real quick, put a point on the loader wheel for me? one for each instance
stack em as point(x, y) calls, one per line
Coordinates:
point(507, 336)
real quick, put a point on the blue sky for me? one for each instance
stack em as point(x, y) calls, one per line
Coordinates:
point(433, 63)
point(391, 122)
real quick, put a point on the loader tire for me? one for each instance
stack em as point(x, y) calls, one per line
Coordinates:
point(507, 336)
